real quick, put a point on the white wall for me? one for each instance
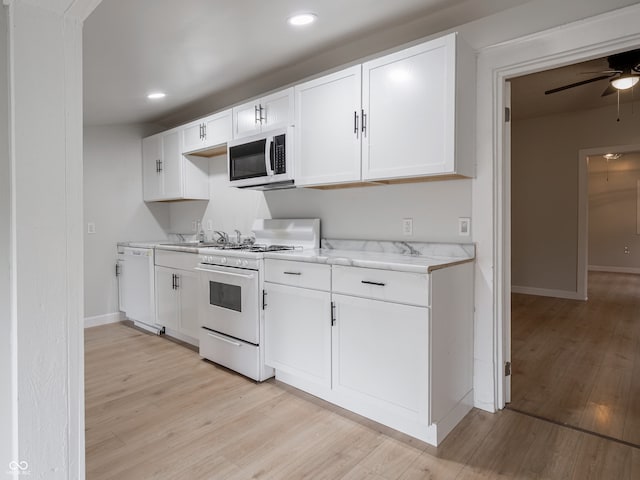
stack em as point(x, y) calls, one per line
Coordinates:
point(113, 202)
point(7, 392)
point(228, 208)
point(358, 213)
point(545, 189)
point(613, 213)
point(377, 212)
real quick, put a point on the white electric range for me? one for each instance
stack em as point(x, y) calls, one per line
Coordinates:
point(231, 295)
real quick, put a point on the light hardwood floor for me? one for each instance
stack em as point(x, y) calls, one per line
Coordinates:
point(155, 410)
point(579, 362)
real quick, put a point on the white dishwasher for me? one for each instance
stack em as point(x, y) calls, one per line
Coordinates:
point(136, 276)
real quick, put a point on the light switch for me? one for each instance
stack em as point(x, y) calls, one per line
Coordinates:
point(407, 226)
point(91, 228)
point(464, 226)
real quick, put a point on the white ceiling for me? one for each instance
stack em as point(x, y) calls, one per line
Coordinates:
point(193, 49)
point(201, 52)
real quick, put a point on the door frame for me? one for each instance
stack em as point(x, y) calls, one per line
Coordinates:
point(594, 37)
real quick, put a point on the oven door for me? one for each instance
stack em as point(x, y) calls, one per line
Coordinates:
point(229, 301)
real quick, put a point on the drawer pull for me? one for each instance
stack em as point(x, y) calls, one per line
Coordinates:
point(292, 273)
point(222, 339)
point(377, 284)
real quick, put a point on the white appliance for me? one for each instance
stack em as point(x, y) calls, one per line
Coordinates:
point(262, 162)
point(136, 286)
point(231, 294)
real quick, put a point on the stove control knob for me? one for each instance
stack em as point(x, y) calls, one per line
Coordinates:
point(223, 260)
point(239, 262)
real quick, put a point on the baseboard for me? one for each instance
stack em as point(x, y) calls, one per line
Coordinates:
point(103, 319)
point(547, 292)
point(601, 268)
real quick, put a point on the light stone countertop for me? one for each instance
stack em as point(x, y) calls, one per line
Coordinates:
point(383, 255)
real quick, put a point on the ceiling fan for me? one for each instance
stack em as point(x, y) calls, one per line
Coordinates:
point(623, 73)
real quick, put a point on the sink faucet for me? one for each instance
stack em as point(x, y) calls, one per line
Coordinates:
point(238, 236)
point(222, 237)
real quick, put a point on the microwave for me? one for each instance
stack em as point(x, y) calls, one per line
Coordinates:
point(263, 161)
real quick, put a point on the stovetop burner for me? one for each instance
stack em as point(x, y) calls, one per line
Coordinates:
point(247, 247)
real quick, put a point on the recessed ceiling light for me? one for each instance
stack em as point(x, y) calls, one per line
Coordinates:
point(302, 19)
point(156, 95)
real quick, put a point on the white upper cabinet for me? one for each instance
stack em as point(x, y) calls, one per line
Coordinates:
point(206, 133)
point(263, 114)
point(415, 102)
point(402, 116)
point(168, 174)
point(327, 134)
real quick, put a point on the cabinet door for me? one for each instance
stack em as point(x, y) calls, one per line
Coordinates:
point(167, 298)
point(151, 176)
point(217, 129)
point(381, 353)
point(298, 332)
point(277, 110)
point(409, 100)
point(193, 137)
point(172, 161)
point(327, 130)
point(188, 290)
point(246, 119)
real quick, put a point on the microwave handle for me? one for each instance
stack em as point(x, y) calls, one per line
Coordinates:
point(268, 156)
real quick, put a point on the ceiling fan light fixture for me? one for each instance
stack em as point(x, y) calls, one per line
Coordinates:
point(612, 156)
point(625, 82)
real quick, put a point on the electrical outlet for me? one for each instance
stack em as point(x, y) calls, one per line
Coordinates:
point(91, 228)
point(210, 225)
point(627, 250)
point(464, 226)
point(407, 226)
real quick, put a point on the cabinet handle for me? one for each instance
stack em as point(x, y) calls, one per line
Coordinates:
point(204, 131)
point(333, 313)
point(173, 281)
point(377, 284)
point(264, 299)
point(117, 270)
point(159, 166)
point(265, 114)
point(355, 123)
point(292, 273)
point(177, 281)
point(364, 123)
point(255, 114)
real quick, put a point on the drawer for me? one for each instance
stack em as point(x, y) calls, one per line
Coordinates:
point(181, 260)
point(298, 274)
point(236, 355)
point(385, 285)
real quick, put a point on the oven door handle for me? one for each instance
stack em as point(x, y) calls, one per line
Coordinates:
point(222, 339)
point(206, 270)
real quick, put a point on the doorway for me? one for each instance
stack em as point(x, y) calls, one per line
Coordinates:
point(574, 360)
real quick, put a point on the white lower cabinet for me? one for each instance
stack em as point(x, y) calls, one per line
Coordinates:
point(381, 354)
point(298, 332)
point(395, 347)
point(177, 294)
point(297, 319)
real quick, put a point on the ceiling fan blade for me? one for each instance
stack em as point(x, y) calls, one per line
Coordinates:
point(577, 84)
point(610, 90)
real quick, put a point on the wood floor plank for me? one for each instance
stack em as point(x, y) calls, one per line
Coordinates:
point(156, 410)
point(576, 362)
